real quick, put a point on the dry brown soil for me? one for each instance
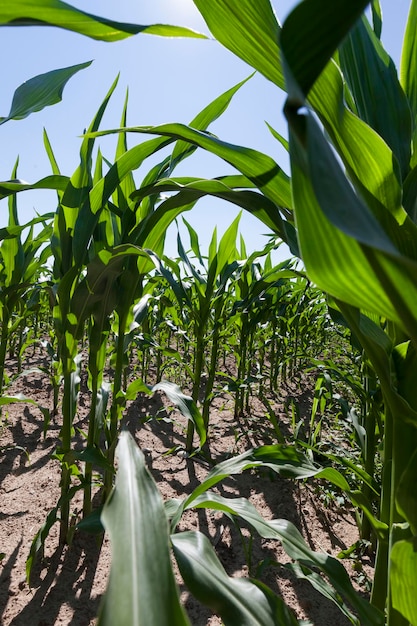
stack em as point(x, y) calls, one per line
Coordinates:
point(68, 582)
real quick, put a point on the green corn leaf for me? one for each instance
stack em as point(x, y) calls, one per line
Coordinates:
point(127, 184)
point(359, 500)
point(371, 165)
point(408, 70)
point(282, 459)
point(12, 231)
point(311, 34)
point(81, 180)
point(236, 600)
point(376, 17)
point(202, 121)
point(379, 349)
point(227, 251)
point(74, 214)
point(403, 578)
point(50, 153)
point(19, 397)
point(141, 588)
point(63, 15)
point(186, 405)
point(190, 190)
point(10, 187)
point(251, 31)
point(39, 541)
point(194, 241)
point(96, 294)
point(40, 537)
point(406, 497)
point(323, 587)
point(12, 251)
point(378, 95)
point(104, 188)
point(40, 92)
point(261, 169)
point(296, 547)
point(350, 256)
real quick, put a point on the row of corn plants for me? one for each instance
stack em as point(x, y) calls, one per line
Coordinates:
point(354, 228)
point(351, 218)
point(355, 225)
point(104, 239)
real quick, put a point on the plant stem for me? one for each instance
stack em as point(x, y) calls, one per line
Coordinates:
point(66, 448)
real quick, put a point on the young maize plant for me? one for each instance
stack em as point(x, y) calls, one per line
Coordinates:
point(102, 232)
point(352, 219)
point(350, 216)
point(356, 228)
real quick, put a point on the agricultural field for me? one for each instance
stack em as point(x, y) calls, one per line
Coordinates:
point(286, 394)
point(214, 437)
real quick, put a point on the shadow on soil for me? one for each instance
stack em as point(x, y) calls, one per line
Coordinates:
point(72, 586)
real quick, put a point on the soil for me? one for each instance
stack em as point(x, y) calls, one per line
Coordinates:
point(69, 581)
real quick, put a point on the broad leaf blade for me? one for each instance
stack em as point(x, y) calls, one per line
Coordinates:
point(202, 121)
point(56, 181)
point(186, 405)
point(261, 169)
point(142, 588)
point(41, 91)
point(350, 256)
point(403, 578)
point(378, 95)
point(312, 32)
point(236, 600)
point(63, 15)
point(296, 547)
point(250, 30)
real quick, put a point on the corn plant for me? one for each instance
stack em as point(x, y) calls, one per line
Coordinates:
point(355, 228)
point(20, 264)
point(204, 294)
point(100, 236)
point(363, 218)
point(242, 601)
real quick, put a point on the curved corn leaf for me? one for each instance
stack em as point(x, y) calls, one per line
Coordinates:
point(142, 588)
point(406, 498)
point(192, 189)
point(323, 587)
point(89, 212)
point(63, 15)
point(379, 348)
point(55, 182)
point(202, 121)
point(370, 162)
point(251, 31)
point(282, 459)
point(296, 547)
point(186, 405)
point(261, 169)
point(380, 100)
point(310, 35)
point(350, 255)
point(41, 91)
point(408, 71)
point(403, 578)
point(236, 600)
point(13, 231)
point(19, 397)
point(96, 294)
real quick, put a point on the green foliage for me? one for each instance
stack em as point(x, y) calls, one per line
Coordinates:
point(145, 524)
point(40, 92)
point(354, 228)
point(63, 15)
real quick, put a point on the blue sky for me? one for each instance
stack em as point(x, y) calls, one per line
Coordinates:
point(169, 80)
